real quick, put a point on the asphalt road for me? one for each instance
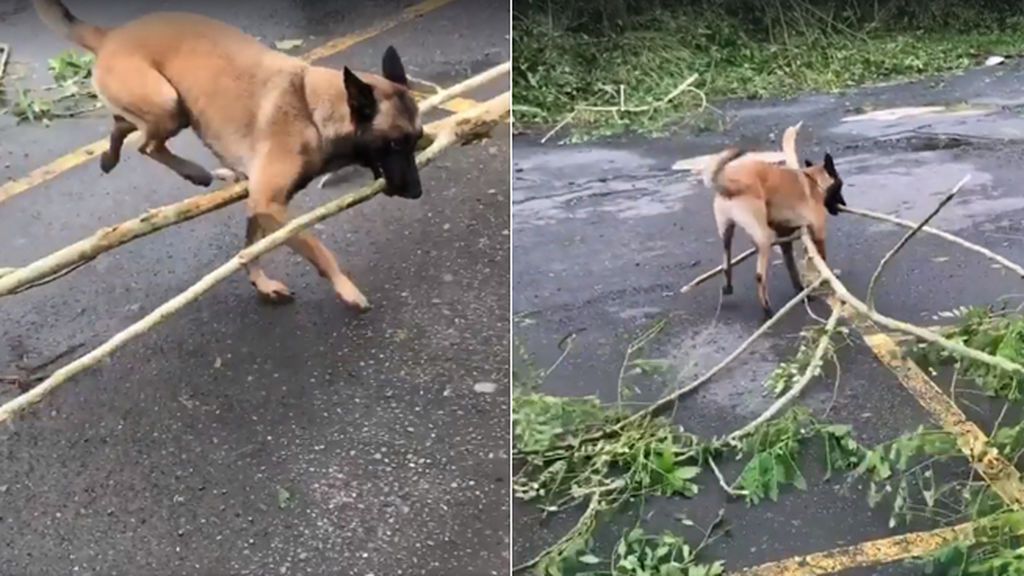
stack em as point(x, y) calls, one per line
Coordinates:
point(606, 234)
point(239, 438)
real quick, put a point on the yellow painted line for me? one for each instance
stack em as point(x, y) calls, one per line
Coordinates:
point(343, 43)
point(1001, 475)
point(872, 553)
point(82, 155)
point(44, 173)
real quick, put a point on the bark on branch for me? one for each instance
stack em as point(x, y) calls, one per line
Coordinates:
point(14, 280)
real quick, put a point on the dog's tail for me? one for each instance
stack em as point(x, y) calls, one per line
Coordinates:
point(56, 15)
point(789, 146)
point(715, 167)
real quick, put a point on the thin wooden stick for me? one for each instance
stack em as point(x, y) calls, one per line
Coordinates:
point(1005, 263)
point(113, 236)
point(924, 334)
point(736, 260)
point(870, 296)
point(47, 268)
point(735, 493)
point(817, 358)
point(468, 124)
point(715, 271)
point(465, 86)
point(5, 55)
point(670, 399)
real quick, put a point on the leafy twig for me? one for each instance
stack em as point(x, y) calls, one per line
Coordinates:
point(721, 481)
point(812, 369)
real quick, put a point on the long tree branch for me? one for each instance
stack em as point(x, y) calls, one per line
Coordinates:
point(43, 270)
point(1002, 261)
point(924, 334)
point(670, 399)
point(462, 126)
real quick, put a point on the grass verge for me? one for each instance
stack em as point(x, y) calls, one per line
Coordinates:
point(635, 54)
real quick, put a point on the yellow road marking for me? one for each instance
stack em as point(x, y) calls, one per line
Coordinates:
point(1001, 475)
point(343, 43)
point(44, 173)
point(872, 553)
point(82, 155)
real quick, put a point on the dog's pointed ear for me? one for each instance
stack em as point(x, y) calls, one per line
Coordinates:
point(361, 101)
point(393, 68)
point(830, 167)
point(808, 163)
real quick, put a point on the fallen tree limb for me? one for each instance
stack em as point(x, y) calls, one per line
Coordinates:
point(46, 269)
point(813, 366)
point(466, 85)
point(1002, 261)
point(870, 296)
point(111, 237)
point(458, 128)
point(924, 334)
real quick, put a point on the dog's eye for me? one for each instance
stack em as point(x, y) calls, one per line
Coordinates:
point(395, 145)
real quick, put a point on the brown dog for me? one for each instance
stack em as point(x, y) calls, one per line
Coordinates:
point(267, 117)
point(769, 201)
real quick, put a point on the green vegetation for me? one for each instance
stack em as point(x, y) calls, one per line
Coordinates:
point(636, 52)
point(589, 460)
point(71, 93)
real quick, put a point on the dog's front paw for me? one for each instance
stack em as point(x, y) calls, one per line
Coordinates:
point(355, 299)
point(274, 292)
point(226, 175)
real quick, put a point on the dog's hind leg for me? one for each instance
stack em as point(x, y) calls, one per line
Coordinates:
point(157, 150)
point(727, 233)
point(726, 230)
point(137, 92)
point(752, 216)
point(794, 272)
point(122, 128)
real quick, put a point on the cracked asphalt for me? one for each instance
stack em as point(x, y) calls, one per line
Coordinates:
point(238, 438)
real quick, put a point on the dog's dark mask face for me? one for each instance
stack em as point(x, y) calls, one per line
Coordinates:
point(834, 186)
point(387, 127)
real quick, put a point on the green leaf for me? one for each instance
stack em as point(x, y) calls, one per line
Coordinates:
point(589, 559)
point(687, 472)
point(284, 498)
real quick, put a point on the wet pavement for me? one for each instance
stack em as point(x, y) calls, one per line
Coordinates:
point(629, 231)
point(238, 438)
